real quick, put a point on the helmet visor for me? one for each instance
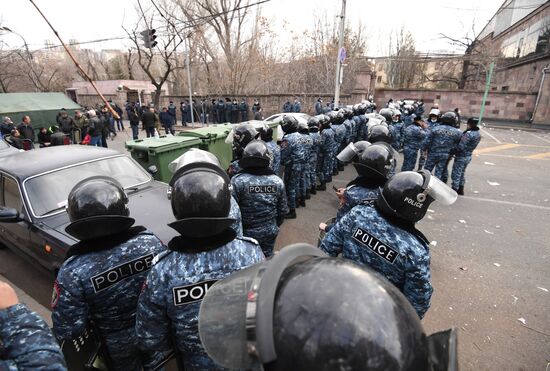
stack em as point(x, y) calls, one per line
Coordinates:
point(439, 191)
point(443, 350)
point(348, 153)
point(223, 319)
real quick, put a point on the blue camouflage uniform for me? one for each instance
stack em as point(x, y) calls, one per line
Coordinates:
point(401, 255)
point(356, 193)
point(439, 142)
point(293, 157)
point(262, 200)
point(413, 138)
point(297, 107)
point(396, 131)
point(171, 297)
point(103, 285)
point(275, 164)
point(26, 342)
point(305, 184)
point(463, 155)
point(360, 123)
point(234, 168)
point(326, 155)
point(235, 213)
point(316, 144)
point(339, 137)
point(349, 125)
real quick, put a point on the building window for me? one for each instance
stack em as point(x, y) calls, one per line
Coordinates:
point(505, 88)
point(379, 79)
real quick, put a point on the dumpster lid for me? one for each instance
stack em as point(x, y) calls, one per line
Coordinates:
point(162, 143)
point(217, 131)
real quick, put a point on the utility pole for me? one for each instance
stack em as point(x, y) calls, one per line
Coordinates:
point(187, 62)
point(338, 79)
point(487, 86)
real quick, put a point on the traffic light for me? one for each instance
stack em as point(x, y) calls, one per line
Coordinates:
point(149, 37)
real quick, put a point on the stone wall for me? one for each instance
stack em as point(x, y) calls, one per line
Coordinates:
point(511, 106)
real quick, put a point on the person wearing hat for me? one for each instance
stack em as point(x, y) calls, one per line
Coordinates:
point(261, 196)
point(6, 127)
point(463, 154)
point(206, 250)
point(100, 281)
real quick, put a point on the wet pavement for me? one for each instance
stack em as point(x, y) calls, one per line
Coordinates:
point(490, 256)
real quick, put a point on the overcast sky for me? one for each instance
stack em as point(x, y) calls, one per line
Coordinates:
point(90, 20)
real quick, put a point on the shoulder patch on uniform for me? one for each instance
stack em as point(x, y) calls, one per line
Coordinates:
point(160, 256)
point(191, 293)
point(248, 239)
point(375, 245)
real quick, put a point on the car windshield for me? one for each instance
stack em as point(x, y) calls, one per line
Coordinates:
point(48, 193)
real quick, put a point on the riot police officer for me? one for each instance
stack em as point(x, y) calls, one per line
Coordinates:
point(102, 275)
point(242, 135)
point(266, 134)
point(198, 155)
point(396, 130)
point(384, 237)
point(261, 196)
point(373, 164)
point(413, 137)
point(294, 158)
point(206, 250)
point(439, 143)
point(313, 126)
point(304, 311)
point(307, 143)
point(337, 119)
point(27, 342)
point(463, 154)
point(326, 153)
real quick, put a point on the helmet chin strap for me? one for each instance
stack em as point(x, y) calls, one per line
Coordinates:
point(421, 197)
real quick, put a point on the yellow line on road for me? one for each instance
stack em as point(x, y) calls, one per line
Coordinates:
point(496, 148)
point(539, 155)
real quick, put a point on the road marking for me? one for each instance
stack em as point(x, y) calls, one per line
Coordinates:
point(511, 156)
point(539, 155)
point(496, 148)
point(491, 135)
point(506, 202)
point(543, 139)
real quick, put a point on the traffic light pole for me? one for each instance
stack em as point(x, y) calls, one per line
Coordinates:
point(188, 63)
point(338, 59)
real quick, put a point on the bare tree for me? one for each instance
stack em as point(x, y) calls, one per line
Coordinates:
point(401, 67)
point(164, 52)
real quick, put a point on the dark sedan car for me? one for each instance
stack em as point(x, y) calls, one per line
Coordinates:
point(34, 187)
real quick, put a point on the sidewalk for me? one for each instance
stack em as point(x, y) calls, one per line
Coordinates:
point(33, 305)
point(519, 125)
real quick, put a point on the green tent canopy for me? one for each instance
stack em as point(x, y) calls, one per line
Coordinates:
point(41, 107)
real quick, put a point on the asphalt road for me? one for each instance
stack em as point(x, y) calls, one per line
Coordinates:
point(490, 263)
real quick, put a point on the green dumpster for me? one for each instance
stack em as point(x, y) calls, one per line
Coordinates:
point(213, 139)
point(160, 152)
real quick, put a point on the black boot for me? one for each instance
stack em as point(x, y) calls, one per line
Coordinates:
point(312, 190)
point(322, 186)
point(335, 172)
point(302, 201)
point(460, 190)
point(329, 179)
point(291, 214)
point(308, 195)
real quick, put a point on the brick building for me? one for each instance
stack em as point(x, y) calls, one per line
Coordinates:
point(517, 39)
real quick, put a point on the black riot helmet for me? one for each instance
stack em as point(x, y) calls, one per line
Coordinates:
point(473, 122)
point(302, 310)
point(352, 151)
point(97, 207)
point(407, 195)
point(333, 117)
point(324, 121)
point(375, 162)
point(313, 123)
point(242, 135)
point(387, 113)
point(201, 200)
point(449, 118)
point(255, 154)
point(379, 133)
point(347, 112)
point(340, 117)
point(289, 124)
point(303, 128)
point(266, 134)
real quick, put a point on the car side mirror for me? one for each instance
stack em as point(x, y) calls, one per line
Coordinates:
point(9, 215)
point(152, 170)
